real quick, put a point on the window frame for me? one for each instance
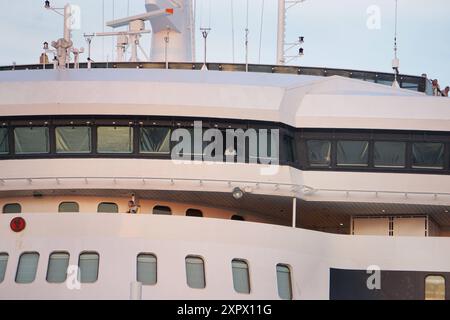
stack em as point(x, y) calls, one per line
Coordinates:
point(291, 291)
point(98, 266)
point(48, 266)
point(67, 202)
point(245, 261)
point(156, 268)
point(12, 204)
point(110, 203)
point(2, 276)
point(19, 264)
point(193, 256)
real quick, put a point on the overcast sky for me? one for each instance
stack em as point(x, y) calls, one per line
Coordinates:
point(336, 32)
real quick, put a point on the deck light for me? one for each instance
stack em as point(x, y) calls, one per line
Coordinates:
point(238, 193)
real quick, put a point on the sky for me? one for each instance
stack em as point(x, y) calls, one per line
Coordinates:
point(353, 34)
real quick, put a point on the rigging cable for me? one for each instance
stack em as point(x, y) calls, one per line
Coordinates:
point(261, 32)
point(232, 30)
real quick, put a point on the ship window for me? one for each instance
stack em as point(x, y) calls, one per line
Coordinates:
point(237, 217)
point(108, 207)
point(57, 267)
point(428, 155)
point(267, 147)
point(289, 148)
point(3, 263)
point(319, 153)
point(26, 270)
point(114, 139)
point(389, 154)
point(12, 208)
point(88, 264)
point(195, 272)
point(31, 140)
point(284, 282)
point(241, 279)
point(194, 213)
point(353, 153)
point(154, 140)
point(162, 210)
point(69, 207)
point(73, 139)
point(4, 141)
point(434, 288)
point(146, 269)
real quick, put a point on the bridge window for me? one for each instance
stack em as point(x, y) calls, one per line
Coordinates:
point(428, 155)
point(435, 288)
point(26, 270)
point(194, 213)
point(284, 282)
point(73, 139)
point(163, 210)
point(4, 149)
point(389, 154)
point(3, 264)
point(241, 278)
point(195, 272)
point(114, 139)
point(29, 140)
point(154, 140)
point(146, 269)
point(88, 264)
point(69, 207)
point(353, 153)
point(319, 153)
point(57, 267)
point(12, 208)
point(108, 207)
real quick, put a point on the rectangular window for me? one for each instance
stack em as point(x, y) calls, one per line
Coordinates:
point(108, 207)
point(29, 140)
point(146, 269)
point(88, 264)
point(241, 280)
point(4, 149)
point(73, 139)
point(154, 140)
point(389, 154)
point(195, 272)
point(428, 155)
point(12, 208)
point(434, 288)
point(319, 153)
point(289, 148)
point(353, 153)
point(57, 267)
point(114, 139)
point(3, 264)
point(284, 282)
point(69, 207)
point(26, 270)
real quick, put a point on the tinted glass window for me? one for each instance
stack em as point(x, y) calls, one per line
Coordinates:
point(195, 272)
point(319, 153)
point(108, 207)
point(3, 264)
point(162, 210)
point(284, 282)
point(57, 267)
point(4, 149)
point(389, 154)
point(289, 148)
point(31, 140)
point(428, 155)
point(12, 208)
point(241, 279)
point(146, 269)
point(26, 270)
point(88, 264)
point(154, 140)
point(194, 213)
point(69, 207)
point(115, 139)
point(73, 139)
point(352, 153)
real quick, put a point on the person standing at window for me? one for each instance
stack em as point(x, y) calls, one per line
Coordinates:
point(446, 91)
point(133, 208)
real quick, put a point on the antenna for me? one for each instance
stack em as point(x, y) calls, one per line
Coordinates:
point(205, 32)
point(283, 7)
point(396, 60)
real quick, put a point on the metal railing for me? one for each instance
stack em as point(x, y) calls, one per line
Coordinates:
point(414, 83)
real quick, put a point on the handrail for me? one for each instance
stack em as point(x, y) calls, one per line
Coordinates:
point(295, 188)
point(418, 83)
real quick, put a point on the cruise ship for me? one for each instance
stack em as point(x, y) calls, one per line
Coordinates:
point(168, 179)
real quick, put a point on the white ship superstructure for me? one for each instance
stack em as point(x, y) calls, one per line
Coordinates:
point(342, 190)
